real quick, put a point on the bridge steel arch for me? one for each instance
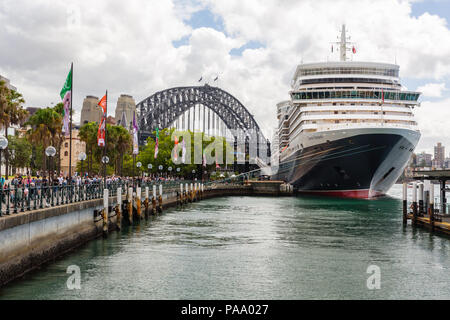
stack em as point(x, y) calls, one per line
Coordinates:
point(164, 107)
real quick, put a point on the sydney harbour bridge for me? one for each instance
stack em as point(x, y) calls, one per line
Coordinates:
point(206, 109)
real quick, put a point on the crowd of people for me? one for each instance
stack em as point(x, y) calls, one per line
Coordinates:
point(27, 181)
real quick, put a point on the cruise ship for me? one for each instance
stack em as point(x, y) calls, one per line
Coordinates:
point(348, 129)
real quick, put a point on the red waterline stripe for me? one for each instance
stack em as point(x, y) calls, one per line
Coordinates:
point(359, 194)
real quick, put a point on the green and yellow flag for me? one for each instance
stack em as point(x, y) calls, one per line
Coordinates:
point(66, 96)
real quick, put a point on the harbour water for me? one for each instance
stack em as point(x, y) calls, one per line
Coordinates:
point(256, 248)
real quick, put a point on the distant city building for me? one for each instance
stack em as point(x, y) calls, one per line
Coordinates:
point(111, 120)
point(447, 163)
point(90, 112)
point(8, 83)
point(125, 108)
point(31, 111)
point(439, 155)
point(424, 159)
point(77, 147)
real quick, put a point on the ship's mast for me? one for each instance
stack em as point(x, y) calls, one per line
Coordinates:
point(343, 44)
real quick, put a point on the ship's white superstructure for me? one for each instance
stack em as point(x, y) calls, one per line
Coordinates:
point(334, 101)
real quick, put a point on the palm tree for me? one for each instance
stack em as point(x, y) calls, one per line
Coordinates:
point(88, 134)
point(11, 111)
point(46, 126)
point(119, 141)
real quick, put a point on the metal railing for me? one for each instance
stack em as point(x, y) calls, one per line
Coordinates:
point(17, 199)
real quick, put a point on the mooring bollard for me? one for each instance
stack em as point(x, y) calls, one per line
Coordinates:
point(160, 200)
point(405, 203)
point(138, 202)
point(414, 201)
point(118, 208)
point(105, 211)
point(130, 204)
point(146, 202)
point(431, 210)
point(154, 200)
point(421, 191)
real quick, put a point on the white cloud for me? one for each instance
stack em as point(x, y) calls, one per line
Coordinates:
point(433, 90)
point(433, 124)
point(126, 47)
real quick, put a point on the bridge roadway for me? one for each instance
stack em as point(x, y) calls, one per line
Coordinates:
point(40, 228)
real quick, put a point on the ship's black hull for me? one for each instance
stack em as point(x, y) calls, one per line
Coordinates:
point(361, 166)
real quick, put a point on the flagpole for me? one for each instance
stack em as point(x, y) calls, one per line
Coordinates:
point(70, 126)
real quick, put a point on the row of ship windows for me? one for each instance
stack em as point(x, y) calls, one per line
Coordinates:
point(357, 121)
point(343, 70)
point(359, 112)
point(319, 113)
point(356, 95)
point(347, 80)
point(299, 128)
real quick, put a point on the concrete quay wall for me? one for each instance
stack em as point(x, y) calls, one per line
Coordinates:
point(29, 239)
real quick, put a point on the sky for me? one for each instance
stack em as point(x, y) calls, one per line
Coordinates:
point(140, 47)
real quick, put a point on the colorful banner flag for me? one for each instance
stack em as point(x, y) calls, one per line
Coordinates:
point(135, 135)
point(101, 134)
point(183, 152)
point(66, 95)
point(176, 149)
point(157, 143)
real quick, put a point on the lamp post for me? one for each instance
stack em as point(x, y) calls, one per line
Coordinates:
point(178, 172)
point(193, 173)
point(139, 165)
point(105, 160)
point(160, 167)
point(3, 145)
point(170, 170)
point(50, 152)
point(149, 167)
point(82, 157)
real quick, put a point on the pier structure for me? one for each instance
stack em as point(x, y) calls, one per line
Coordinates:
point(424, 209)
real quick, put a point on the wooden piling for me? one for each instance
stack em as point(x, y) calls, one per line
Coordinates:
point(421, 210)
point(105, 211)
point(405, 203)
point(414, 202)
point(431, 210)
point(160, 200)
point(118, 209)
point(154, 211)
point(138, 202)
point(146, 202)
point(130, 204)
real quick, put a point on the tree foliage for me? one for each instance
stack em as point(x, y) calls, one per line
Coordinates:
point(164, 157)
point(19, 150)
point(118, 143)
